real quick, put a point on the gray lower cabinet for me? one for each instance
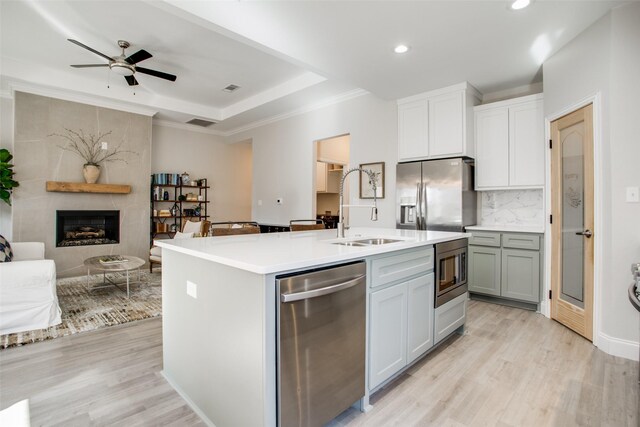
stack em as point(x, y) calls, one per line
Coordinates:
point(401, 326)
point(484, 270)
point(521, 275)
point(505, 265)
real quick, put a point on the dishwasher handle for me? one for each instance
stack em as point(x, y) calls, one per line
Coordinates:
point(321, 291)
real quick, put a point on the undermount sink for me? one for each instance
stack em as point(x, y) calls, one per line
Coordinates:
point(350, 244)
point(377, 241)
point(368, 242)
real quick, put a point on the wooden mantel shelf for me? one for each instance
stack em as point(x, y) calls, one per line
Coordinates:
point(81, 187)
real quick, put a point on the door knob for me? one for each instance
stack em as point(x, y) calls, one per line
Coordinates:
point(586, 233)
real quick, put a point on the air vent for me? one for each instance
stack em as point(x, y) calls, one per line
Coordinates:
point(201, 122)
point(231, 88)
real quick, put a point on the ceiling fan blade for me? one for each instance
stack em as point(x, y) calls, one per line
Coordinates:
point(91, 49)
point(139, 56)
point(155, 73)
point(131, 80)
point(89, 65)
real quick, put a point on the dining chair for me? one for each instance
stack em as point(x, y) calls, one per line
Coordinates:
point(306, 224)
point(230, 228)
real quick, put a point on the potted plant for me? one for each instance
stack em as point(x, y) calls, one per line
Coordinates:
point(7, 184)
point(89, 148)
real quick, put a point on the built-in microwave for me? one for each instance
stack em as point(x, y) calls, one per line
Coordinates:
point(451, 270)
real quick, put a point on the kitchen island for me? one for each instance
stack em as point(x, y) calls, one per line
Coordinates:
point(220, 317)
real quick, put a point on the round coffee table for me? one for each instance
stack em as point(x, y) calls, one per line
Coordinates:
point(94, 263)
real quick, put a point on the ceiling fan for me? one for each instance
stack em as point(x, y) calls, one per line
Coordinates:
point(123, 65)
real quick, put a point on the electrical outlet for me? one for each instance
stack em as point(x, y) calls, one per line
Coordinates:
point(632, 195)
point(279, 201)
point(105, 145)
point(192, 289)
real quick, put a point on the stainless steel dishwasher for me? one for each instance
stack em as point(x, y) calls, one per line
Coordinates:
point(321, 343)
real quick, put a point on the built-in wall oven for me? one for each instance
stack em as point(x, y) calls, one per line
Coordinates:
point(451, 270)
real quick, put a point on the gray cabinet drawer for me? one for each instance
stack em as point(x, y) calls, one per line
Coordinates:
point(521, 241)
point(482, 238)
point(397, 267)
point(449, 317)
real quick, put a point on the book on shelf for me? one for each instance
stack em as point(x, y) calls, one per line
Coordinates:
point(112, 259)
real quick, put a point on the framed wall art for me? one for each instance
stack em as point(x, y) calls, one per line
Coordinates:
point(366, 192)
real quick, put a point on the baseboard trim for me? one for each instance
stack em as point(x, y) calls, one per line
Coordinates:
point(618, 347)
point(187, 399)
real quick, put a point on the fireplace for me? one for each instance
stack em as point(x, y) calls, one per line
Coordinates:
point(81, 228)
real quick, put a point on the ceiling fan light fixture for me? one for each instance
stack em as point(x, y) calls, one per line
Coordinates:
point(122, 69)
point(401, 48)
point(520, 4)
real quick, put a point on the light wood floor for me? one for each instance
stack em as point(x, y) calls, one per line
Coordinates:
point(512, 368)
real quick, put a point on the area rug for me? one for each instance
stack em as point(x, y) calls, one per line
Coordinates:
point(85, 311)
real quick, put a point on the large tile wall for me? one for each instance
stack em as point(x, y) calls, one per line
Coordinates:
point(38, 158)
point(512, 207)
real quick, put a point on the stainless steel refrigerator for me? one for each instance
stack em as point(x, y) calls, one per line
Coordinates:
point(435, 195)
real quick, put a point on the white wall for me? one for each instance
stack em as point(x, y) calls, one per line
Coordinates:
point(284, 158)
point(227, 167)
point(605, 59)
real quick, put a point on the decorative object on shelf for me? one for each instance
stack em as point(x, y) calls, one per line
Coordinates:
point(165, 196)
point(191, 197)
point(161, 227)
point(174, 209)
point(182, 197)
point(366, 191)
point(173, 228)
point(185, 178)
point(202, 182)
point(7, 183)
point(90, 148)
point(196, 210)
point(189, 212)
point(164, 212)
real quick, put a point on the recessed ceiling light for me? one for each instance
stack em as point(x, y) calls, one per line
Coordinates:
point(401, 49)
point(520, 4)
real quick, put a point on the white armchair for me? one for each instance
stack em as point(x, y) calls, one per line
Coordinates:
point(28, 298)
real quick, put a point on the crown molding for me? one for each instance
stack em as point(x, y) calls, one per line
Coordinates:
point(346, 96)
point(17, 86)
point(187, 127)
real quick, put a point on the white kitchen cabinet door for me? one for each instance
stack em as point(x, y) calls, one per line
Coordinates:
point(446, 125)
point(420, 316)
point(413, 130)
point(492, 148)
point(321, 177)
point(388, 333)
point(526, 144)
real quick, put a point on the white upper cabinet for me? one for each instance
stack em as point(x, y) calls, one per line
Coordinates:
point(434, 124)
point(492, 128)
point(446, 124)
point(509, 144)
point(413, 129)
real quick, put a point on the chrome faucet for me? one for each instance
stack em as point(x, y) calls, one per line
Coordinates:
point(374, 207)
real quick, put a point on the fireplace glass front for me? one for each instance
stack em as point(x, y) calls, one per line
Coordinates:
point(87, 227)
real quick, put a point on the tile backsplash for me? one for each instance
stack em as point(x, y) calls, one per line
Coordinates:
point(511, 207)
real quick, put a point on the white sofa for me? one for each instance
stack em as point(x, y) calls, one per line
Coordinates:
point(28, 297)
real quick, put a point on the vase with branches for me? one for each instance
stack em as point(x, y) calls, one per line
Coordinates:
point(90, 148)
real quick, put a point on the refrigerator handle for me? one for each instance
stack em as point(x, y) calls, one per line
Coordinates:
point(418, 207)
point(426, 207)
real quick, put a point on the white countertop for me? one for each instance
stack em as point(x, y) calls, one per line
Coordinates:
point(507, 228)
point(277, 252)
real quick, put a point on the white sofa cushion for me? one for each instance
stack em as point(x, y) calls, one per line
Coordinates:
point(28, 298)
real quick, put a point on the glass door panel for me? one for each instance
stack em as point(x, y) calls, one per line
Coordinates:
point(572, 181)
